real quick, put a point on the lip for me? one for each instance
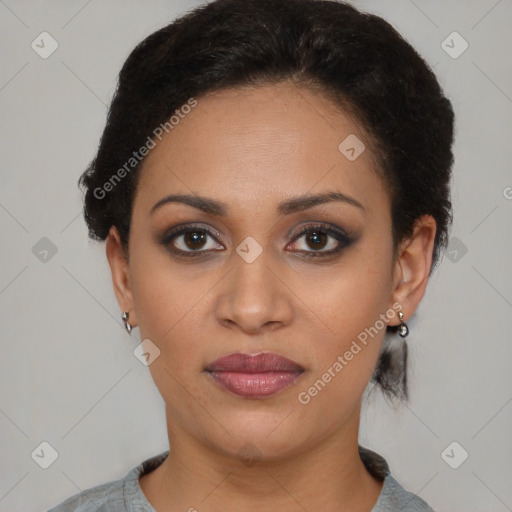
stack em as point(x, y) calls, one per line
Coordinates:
point(254, 376)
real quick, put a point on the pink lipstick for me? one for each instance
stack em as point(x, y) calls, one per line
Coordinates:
point(254, 376)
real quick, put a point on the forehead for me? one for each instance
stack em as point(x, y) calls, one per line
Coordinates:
point(255, 145)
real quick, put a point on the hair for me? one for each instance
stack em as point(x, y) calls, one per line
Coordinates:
point(357, 59)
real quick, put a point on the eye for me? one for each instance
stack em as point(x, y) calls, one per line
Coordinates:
point(320, 240)
point(190, 241)
point(317, 241)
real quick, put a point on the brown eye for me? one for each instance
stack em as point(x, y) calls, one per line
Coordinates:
point(194, 239)
point(320, 241)
point(190, 241)
point(316, 239)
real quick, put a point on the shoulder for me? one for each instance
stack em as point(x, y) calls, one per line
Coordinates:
point(123, 495)
point(394, 497)
point(108, 496)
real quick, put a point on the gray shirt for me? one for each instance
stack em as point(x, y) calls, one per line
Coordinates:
point(125, 495)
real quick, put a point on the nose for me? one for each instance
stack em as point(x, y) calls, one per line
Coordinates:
point(255, 297)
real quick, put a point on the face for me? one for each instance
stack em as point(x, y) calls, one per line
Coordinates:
point(254, 267)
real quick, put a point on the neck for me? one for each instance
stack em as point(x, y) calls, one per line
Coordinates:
point(329, 477)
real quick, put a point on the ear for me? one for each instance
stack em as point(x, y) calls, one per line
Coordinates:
point(120, 269)
point(412, 266)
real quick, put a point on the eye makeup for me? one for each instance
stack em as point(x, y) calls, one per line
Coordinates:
point(180, 240)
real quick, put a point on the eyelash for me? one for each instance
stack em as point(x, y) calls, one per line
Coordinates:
point(343, 239)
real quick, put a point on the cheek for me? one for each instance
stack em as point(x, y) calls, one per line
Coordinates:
point(168, 305)
point(172, 311)
point(351, 304)
point(345, 360)
point(351, 295)
point(162, 291)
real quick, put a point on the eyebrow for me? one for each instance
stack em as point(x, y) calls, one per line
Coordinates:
point(287, 207)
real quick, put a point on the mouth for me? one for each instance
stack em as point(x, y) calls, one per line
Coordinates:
point(254, 376)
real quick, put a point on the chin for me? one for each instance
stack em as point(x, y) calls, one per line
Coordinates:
point(260, 436)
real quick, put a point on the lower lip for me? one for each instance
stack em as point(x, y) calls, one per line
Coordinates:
point(255, 385)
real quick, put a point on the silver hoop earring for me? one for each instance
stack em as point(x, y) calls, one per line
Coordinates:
point(403, 330)
point(127, 325)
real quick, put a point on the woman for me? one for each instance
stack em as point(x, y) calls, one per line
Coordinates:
point(273, 188)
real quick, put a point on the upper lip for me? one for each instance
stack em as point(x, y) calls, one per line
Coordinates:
point(258, 363)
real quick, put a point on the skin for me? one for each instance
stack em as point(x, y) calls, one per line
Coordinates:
point(252, 148)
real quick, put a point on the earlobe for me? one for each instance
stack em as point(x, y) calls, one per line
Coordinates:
point(120, 270)
point(412, 267)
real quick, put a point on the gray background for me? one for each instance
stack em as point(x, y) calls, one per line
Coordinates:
point(69, 376)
